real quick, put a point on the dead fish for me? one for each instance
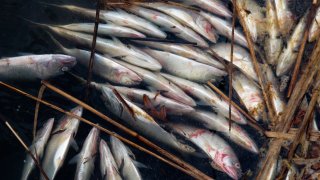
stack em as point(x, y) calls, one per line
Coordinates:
point(108, 167)
point(221, 124)
point(315, 27)
point(85, 159)
point(33, 67)
point(284, 15)
point(185, 51)
point(241, 58)
point(224, 28)
point(273, 42)
point(37, 148)
point(188, 17)
point(169, 24)
point(214, 6)
point(123, 157)
point(207, 96)
point(289, 53)
point(104, 29)
point(186, 68)
point(222, 156)
point(104, 66)
point(157, 100)
point(58, 146)
point(158, 83)
point(250, 95)
point(139, 120)
point(119, 17)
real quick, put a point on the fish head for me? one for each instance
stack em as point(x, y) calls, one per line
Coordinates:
point(62, 62)
point(68, 122)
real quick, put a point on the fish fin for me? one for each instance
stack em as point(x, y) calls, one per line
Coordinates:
point(130, 153)
point(121, 164)
point(74, 144)
point(140, 165)
point(75, 159)
point(157, 94)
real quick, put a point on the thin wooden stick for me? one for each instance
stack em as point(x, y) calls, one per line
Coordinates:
point(190, 170)
point(128, 131)
point(36, 113)
point(24, 146)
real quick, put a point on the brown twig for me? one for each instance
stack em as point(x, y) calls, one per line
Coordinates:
point(181, 165)
point(310, 18)
point(36, 113)
point(36, 161)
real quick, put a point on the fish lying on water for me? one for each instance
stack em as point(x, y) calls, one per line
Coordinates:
point(108, 167)
point(37, 148)
point(85, 159)
point(33, 67)
point(123, 157)
point(58, 146)
point(222, 156)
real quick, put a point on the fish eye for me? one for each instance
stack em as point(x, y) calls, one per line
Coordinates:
point(237, 165)
point(64, 69)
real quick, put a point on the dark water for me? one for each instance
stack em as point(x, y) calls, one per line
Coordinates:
point(19, 36)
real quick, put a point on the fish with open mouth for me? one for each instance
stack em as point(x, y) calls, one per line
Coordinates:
point(108, 167)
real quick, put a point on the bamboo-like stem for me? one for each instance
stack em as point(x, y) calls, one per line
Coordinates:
point(36, 113)
point(181, 165)
point(36, 161)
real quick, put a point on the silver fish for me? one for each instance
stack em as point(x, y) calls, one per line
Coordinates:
point(32, 67)
point(315, 27)
point(214, 6)
point(250, 95)
point(157, 100)
point(139, 120)
point(108, 167)
point(186, 68)
point(210, 98)
point(104, 66)
point(285, 16)
point(122, 156)
point(241, 58)
point(221, 124)
point(37, 148)
point(159, 83)
point(223, 157)
point(273, 43)
point(86, 157)
point(185, 51)
point(289, 53)
point(58, 146)
point(104, 29)
point(169, 24)
point(188, 17)
point(224, 28)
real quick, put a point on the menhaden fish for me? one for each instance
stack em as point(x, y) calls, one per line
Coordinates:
point(33, 67)
point(223, 157)
point(315, 27)
point(108, 167)
point(186, 68)
point(214, 6)
point(284, 16)
point(123, 157)
point(85, 159)
point(58, 146)
point(169, 24)
point(207, 96)
point(37, 148)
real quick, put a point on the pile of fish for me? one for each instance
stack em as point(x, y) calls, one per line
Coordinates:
point(153, 61)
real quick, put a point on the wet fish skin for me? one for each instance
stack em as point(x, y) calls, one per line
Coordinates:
point(222, 156)
point(85, 165)
point(205, 94)
point(214, 6)
point(37, 148)
point(273, 43)
point(221, 124)
point(169, 24)
point(315, 27)
point(186, 68)
point(104, 29)
point(224, 28)
point(185, 51)
point(104, 66)
point(241, 58)
point(159, 83)
point(285, 16)
point(136, 95)
point(33, 67)
point(122, 157)
point(108, 167)
point(61, 139)
point(250, 95)
point(289, 54)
